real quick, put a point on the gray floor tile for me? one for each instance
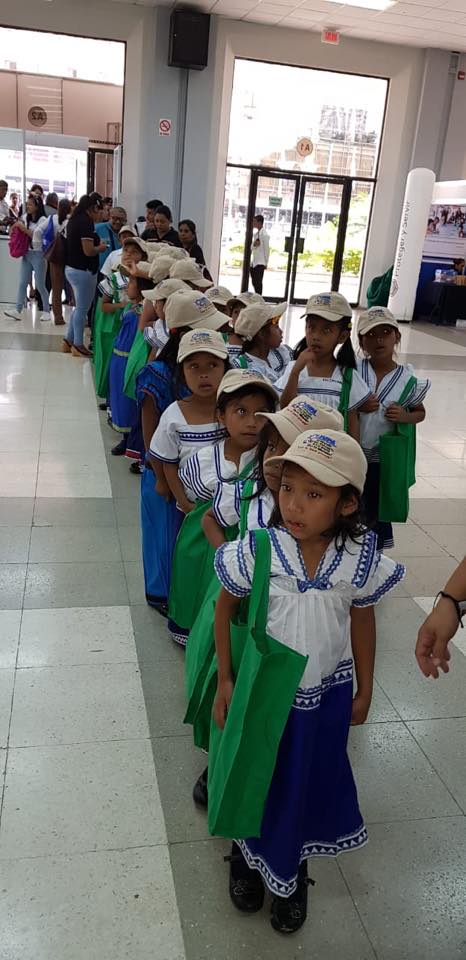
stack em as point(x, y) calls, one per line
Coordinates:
point(444, 743)
point(409, 886)
point(77, 704)
point(7, 679)
point(14, 544)
point(130, 540)
point(178, 764)
point(333, 929)
point(12, 581)
point(102, 906)
point(394, 779)
point(75, 585)
point(426, 575)
point(163, 686)
point(124, 484)
point(64, 544)
point(381, 711)
point(135, 579)
point(80, 797)
point(10, 625)
point(411, 541)
point(415, 697)
point(69, 511)
point(72, 636)
point(437, 511)
point(126, 510)
point(16, 511)
point(451, 538)
point(153, 643)
point(398, 620)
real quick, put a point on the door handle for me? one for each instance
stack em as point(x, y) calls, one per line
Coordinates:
point(288, 245)
point(300, 245)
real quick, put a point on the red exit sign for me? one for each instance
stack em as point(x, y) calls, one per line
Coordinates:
point(330, 36)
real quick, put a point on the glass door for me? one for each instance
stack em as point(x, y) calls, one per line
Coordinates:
point(276, 197)
point(320, 237)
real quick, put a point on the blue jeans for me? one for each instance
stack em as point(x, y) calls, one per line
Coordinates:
point(83, 283)
point(33, 260)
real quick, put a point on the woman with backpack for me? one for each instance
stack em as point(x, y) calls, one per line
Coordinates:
point(26, 243)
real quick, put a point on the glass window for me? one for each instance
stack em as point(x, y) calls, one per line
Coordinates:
point(59, 55)
point(235, 208)
point(355, 241)
point(342, 115)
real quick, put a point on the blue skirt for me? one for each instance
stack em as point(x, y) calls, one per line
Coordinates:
point(160, 523)
point(125, 412)
point(312, 807)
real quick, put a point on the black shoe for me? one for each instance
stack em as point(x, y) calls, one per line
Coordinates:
point(200, 792)
point(289, 913)
point(136, 468)
point(160, 604)
point(246, 886)
point(119, 450)
point(103, 406)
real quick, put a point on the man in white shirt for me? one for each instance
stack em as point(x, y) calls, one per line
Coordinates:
point(260, 253)
point(5, 216)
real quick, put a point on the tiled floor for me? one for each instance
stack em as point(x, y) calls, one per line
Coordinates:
point(102, 854)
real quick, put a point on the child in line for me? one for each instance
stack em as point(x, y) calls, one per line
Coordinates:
point(326, 575)
point(125, 414)
point(257, 328)
point(157, 386)
point(240, 396)
point(153, 315)
point(379, 337)
point(316, 370)
point(220, 297)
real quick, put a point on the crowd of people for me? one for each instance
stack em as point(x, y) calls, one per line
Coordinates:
point(270, 479)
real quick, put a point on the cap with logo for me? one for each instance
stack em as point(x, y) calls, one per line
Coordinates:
point(303, 414)
point(277, 309)
point(252, 319)
point(160, 268)
point(376, 317)
point(190, 271)
point(153, 248)
point(238, 379)
point(202, 341)
point(220, 295)
point(329, 306)
point(128, 229)
point(332, 457)
point(176, 253)
point(246, 298)
point(164, 289)
point(191, 308)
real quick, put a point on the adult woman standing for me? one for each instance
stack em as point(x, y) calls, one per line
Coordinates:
point(56, 259)
point(164, 231)
point(82, 262)
point(188, 238)
point(32, 223)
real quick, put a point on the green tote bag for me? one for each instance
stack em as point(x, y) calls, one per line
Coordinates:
point(138, 356)
point(345, 395)
point(397, 452)
point(242, 756)
point(106, 328)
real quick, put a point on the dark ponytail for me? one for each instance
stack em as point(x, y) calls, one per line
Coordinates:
point(346, 356)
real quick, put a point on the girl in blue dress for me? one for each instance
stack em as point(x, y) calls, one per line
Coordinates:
point(124, 409)
point(326, 576)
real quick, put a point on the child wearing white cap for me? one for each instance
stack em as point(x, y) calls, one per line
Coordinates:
point(257, 327)
point(240, 396)
point(325, 577)
point(318, 370)
point(153, 314)
point(389, 382)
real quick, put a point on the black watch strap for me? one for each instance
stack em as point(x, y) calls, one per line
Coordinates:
point(455, 602)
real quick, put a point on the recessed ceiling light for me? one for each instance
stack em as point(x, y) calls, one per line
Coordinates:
point(371, 4)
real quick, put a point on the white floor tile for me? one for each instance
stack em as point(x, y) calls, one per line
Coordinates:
point(10, 623)
point(76, 636)
point(72, 799)
point(426, 604)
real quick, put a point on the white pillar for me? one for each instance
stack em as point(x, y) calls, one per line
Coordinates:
point(416, 204)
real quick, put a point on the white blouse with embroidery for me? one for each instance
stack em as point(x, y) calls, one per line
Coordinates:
point(312, 616)
point(389, 390)
point(175, 440)
point(227, 505)
point(327, 389)
point(206, 469)
point(272, 368)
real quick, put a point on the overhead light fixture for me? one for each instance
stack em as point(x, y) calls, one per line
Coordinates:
point(371, 4)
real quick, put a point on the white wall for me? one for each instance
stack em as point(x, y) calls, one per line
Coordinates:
point(454, 153)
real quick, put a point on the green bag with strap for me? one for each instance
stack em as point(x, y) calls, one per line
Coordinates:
point(397, 453)
point(347, 375)
point(106, 328)
point(200, 648)
point(267, 673)
point(138, 357)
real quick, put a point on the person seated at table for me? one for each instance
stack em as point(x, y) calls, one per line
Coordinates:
point(459, 265)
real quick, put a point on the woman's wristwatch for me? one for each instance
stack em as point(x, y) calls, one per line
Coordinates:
point(459, 605)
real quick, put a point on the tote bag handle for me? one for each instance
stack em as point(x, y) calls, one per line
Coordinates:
point(259, 596)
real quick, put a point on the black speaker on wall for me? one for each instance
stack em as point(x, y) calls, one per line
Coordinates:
point(189, 39)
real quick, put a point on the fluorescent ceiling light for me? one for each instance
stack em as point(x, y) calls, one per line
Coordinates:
point(371, 4)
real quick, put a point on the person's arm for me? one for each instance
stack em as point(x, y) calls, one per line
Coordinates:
point(266, 245)
point(108, 306)
point(171, 475)
point(353, 424)
point(290, 391)
point(89, 249)
point(147, 316)
point(397, 414)
point(363, 634)
point(212, 529)
point(21, 225)
point(225, 609)
point(432, 653)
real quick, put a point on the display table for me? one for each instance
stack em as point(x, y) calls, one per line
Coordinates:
point(442, 303)
point(9, 273)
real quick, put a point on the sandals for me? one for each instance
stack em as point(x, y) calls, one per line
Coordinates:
point(66, 346)
point(80, 351)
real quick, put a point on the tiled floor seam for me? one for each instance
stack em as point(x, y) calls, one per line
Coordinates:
point(359, 915)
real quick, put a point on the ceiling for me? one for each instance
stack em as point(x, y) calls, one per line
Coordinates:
point(420, 23)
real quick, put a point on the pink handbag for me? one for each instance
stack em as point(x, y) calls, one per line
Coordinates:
point(18, 243)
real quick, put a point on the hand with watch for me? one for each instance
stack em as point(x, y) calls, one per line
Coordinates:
point(432, 653)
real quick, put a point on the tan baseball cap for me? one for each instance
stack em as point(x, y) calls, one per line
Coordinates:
point(153, 248)
point(376, 317)
point(304, 414)
point(251, 320)
point(160, 268)
point(238, 379)
point(189, 271)
point(329, 306)
point(219, 295)
point(164, 289)
point(277, 309)
point(202, 341)
point(331, 456)
point(191, 308)
point(128, 229)
point(176, 253)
